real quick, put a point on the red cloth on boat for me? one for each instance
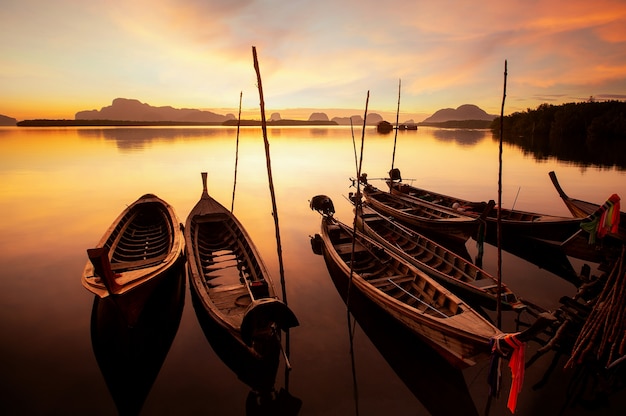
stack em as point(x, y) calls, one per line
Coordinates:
point(517, 365)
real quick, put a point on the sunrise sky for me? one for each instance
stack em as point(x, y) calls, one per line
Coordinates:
point(60, 57)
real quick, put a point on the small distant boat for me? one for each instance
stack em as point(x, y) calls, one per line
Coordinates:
point(453, 271)
point(232, 284)
point(513, 222)
point(443, 320)
point(425, 216)
point(136, 251)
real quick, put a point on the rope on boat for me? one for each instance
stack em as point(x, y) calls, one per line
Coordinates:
point(416, 298)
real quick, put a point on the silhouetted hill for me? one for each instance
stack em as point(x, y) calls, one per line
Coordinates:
point(134, 110)
point(464, 112)
point(372, 120)
point(7, 121)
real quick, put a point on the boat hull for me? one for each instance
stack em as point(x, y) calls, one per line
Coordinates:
point(232, 287)
point(462, 337)
point(140, 247)
point(424, 216)
point(453, 271)
point(513, 222)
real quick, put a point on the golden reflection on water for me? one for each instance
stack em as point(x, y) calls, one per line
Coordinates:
point(90, 174)
point(61, 188)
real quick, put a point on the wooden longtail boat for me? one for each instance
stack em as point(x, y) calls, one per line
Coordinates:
point(514, 222)
point(583, 209)
point(425, 216)
point(232, 284)
point(135, 252)
point(448, 268)
point(589, 242)
point(458, 332)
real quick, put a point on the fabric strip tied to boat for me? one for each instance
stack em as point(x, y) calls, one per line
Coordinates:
point(605, 220)
point(516, 364)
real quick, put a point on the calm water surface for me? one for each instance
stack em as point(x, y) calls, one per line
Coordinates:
point(61, 188)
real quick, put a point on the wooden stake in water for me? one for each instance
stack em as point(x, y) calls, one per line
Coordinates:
point(269, 175)
point(279, 249)
point(395, 139)
point(499, 221)
point(232, 205)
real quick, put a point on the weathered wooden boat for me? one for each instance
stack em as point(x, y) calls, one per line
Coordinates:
point(589, 242)
point(452, 327)
point(583, 209)
point(232, 283)
point(135, 252)
point(513, 222)
point(405, 352)
point(448, 268)
point(425, 216)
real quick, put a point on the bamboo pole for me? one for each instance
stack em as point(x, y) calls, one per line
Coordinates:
point(357, 201)
point(269, 175)
point(279, 249)
point(232, 205)
point(395, 139)
point(499, 220)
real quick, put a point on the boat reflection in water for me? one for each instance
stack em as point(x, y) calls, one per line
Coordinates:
point(130, 358)
point(258, 373)
point(424, 371)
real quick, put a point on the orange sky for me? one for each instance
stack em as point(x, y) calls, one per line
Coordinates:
point(61, 57)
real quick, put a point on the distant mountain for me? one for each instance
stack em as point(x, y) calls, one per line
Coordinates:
point(7, 121)
point(134, 110)
point(464, 112)
point(372, 120)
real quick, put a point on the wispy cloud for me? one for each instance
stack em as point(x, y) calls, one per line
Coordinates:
point(197, 53)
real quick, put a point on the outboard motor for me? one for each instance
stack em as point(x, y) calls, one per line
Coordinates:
point(323, 204)
point(394, 175)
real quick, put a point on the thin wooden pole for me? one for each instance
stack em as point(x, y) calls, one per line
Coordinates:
point(357, 201)
point(232, 205)
point(269, 175)
point(499, 222)
point(395, 139)
point(279, 249)
point(357, 207)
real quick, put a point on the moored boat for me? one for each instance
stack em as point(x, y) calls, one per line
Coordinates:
point(232, 285)
point(584, 209)
point(452, 327)
point(425, 216)
point(450, 269)
point(513, 222)
point(133, 255)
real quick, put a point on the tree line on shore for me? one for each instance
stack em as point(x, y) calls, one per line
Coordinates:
point(591, 132)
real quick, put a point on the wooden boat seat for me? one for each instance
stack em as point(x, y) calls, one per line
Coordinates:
point(346, 248)
point(382, 281)
point(130, 265)
point(484, 283)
